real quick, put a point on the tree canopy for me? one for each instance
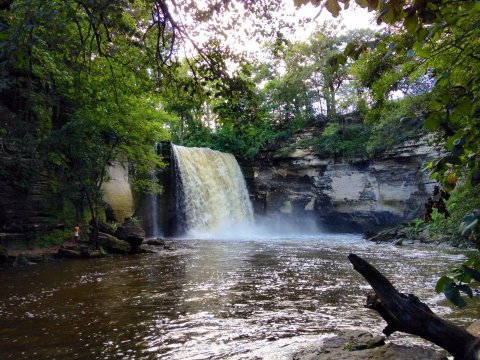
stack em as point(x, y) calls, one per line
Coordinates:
point(94, 81)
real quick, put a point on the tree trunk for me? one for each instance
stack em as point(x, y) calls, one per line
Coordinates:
point(94, 233)
point(408, 314)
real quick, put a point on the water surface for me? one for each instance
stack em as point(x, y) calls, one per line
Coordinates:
point(210, 299)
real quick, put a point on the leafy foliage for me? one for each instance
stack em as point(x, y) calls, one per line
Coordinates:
point(462, 204)
point(459, 280)
point(349, 141)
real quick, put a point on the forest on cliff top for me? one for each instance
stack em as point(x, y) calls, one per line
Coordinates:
point(85, 82)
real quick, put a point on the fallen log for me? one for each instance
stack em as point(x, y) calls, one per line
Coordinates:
point(406, 313)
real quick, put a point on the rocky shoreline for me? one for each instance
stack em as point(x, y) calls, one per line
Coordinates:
point(128, 238)
point(406, 234)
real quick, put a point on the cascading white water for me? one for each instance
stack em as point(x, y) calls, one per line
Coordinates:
point(215, 196)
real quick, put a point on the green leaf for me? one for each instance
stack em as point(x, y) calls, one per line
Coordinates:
point(452, 293)
point(341, 59)
point(362, 3)
point(465, 289)
point(411, 23)
point(442, 79)
point(422, 34)
point(349, 49)
point(333, 7)
point(474, 274)
point(372, 5)
point(388, 15)
point(432, 123)
point(440, 286)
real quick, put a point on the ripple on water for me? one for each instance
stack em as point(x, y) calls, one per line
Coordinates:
point(210, 299)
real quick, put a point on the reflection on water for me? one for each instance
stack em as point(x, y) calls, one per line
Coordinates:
point(208, 300)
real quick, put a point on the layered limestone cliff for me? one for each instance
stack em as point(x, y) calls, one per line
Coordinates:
point(355, 195)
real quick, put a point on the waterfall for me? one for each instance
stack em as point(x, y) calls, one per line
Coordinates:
point(153, 229)
point(153, 199)
point(213, 195)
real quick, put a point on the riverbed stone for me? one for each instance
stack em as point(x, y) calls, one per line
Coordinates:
point(113, 245)
point(358, 345)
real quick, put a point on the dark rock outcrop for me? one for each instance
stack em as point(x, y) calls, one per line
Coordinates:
point(131, 232)
point(106, 228)
point(113, 245)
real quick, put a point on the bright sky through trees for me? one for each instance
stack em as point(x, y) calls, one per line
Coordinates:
point(246, 35)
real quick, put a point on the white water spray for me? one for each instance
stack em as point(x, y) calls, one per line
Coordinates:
point(215, 198)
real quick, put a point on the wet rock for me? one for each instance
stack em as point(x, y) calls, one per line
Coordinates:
point(106, 228)
point(389, 235)
point(170, 247)
point(95, 254)
point(69, 253)
point(145, 249)
point(356, 345)
point(113, 245)
point(131, 232)
point(155, 242)
point(398, 242)
point(424, 236)
point(22, 261)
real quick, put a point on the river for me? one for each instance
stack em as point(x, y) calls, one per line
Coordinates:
point(210, 299)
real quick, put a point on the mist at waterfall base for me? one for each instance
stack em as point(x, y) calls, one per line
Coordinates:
point(213, 199)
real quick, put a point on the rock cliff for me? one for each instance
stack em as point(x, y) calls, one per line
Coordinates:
point(297, 183)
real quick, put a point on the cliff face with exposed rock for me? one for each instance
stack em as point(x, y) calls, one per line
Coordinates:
point(359, 195)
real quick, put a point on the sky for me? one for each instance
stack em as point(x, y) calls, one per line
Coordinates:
point(353, 18)
point(244, 37)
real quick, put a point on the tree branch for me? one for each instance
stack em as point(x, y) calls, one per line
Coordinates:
point(408, 314)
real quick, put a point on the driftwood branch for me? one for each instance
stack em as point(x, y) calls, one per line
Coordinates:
point(408, 314)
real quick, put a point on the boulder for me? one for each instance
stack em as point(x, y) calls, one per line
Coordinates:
point(389, 235)
point(69, 253)
point(22, 260)
point(113, 245)
point(155, 242)
point(131, 232)
point(106, 228)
